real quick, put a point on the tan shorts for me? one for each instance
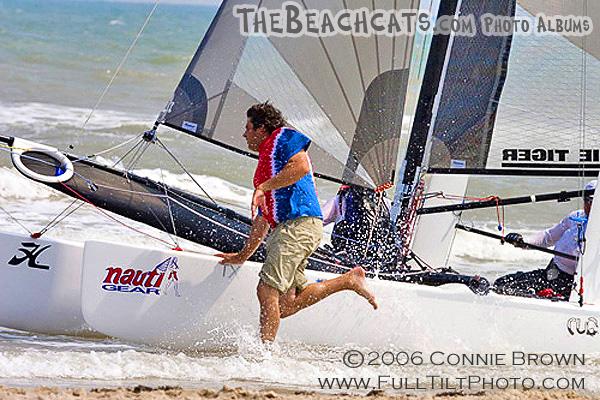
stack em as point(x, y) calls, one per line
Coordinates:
point(288, 248)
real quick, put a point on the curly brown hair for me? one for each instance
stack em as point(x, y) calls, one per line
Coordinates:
point(265, 115)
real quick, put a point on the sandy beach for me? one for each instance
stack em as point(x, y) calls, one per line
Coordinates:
point(142, 392)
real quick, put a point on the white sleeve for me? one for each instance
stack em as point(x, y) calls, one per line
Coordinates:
point(549, 237)
point(331, 211)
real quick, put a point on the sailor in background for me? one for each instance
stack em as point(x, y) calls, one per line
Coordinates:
point(363, 233)
point(557, 279)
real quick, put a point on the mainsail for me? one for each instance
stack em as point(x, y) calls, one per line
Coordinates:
point(346, 92)
point(527, 113)
point(590, 43)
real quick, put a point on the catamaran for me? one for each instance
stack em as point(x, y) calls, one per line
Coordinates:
point(349, 94)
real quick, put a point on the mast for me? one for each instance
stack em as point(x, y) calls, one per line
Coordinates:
point(415, 153)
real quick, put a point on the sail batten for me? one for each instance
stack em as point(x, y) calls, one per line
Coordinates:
point(347, 93)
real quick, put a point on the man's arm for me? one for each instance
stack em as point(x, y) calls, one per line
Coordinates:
point(331, 210)
point(260, 228)
point(549, 237)
point(294, 170)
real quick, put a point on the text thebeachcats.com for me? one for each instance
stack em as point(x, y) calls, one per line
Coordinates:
point(294, 20)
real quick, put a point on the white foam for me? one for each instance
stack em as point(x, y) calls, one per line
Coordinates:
point(42, 117)
point(217, 188)
point(482, 249)
point(290, 366)
point(15, 186)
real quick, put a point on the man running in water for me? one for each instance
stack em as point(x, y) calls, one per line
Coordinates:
point(285, 200)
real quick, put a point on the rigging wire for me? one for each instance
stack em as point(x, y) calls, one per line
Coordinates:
point(582, 125)
point(59, 218)
point(185, 170)
point(133, 149)
point(174, 246)
point(121, 64)
point(105, 213)
point(169, 208)
point(80, 200)
point(139, 152)
point(109, 150)
point(16, 221)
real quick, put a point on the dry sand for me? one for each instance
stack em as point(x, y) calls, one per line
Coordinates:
point(146, 393)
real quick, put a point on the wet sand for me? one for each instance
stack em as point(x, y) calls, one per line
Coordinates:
point(141, 392)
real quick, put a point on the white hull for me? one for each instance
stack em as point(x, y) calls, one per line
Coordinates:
point(217, 303)
point(41, 293)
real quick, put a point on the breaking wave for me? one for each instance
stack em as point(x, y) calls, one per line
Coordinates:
point(42, 117)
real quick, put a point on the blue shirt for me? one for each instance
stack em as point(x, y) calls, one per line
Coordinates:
point(294, 201)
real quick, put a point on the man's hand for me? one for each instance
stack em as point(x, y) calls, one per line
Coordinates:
point(231, 258)
point(516, 239)
point(258, 201)
point(260, 228)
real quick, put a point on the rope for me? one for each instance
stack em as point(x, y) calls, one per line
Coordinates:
point(118, 70)
point(410, 218)
point(17, 221)
point(583, 134)
point(500, 211)
point(373, 223)
point(92, 156)
point(106, 214)
point(185, 170)
point(169, 208)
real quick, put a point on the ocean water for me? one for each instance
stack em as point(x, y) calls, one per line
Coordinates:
point(56, 57)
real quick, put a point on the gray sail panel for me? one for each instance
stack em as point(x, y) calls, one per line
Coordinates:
point(197, 101)
point(351, 113)
point(300, 106)
point(547, 113)
point(378, 133)
point(316, 63)
point(549, 117)
point(589, 43)
point(470, 92)
point(351, 66)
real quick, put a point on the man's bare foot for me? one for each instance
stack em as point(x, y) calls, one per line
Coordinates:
point(359, 285)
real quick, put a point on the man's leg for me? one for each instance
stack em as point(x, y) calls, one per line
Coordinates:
point(521, 283)
point(292, 302)
point(268, 298)
point(563, 284)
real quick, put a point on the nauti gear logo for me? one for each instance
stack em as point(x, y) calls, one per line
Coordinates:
point(158, 280)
